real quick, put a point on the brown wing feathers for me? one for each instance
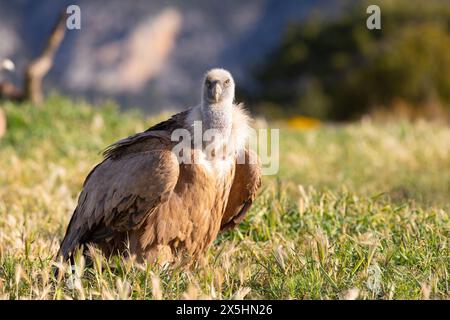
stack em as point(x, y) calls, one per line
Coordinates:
point(120, 192)
point(246, 183)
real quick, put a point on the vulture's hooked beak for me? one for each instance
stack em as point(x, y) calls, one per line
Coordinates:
point(216, 92)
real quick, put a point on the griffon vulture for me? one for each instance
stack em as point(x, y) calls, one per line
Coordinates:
point(142, 200)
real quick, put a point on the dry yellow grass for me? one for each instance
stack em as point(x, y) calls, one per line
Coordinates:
point(359, 211)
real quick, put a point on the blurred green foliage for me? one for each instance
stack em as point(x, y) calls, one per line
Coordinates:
point(336, 68)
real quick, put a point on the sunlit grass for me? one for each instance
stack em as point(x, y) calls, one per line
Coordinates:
point(357, 211)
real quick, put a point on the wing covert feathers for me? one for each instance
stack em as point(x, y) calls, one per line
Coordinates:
point(246, 183)
point(122, 191)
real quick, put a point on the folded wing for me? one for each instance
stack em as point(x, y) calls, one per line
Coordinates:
point(138, 174)
point(247, 180)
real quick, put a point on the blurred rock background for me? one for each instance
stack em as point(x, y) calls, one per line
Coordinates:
point(290, 58)
point(150, 54)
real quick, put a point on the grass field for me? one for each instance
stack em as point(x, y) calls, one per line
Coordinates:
point(357, 211)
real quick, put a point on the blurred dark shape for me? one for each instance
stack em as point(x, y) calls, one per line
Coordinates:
point(10, 91)
point(338, 69)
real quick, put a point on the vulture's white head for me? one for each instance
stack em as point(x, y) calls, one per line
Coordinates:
point(217, 100)
point(218, 88)
point(225, 125)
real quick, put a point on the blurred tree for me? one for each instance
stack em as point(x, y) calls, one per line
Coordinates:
point(338, 69)
point(37, 69)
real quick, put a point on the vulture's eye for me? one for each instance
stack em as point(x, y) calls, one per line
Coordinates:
point(208, 83)
point(227, 82)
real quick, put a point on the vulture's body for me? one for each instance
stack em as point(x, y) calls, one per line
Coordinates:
point(142, 201)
